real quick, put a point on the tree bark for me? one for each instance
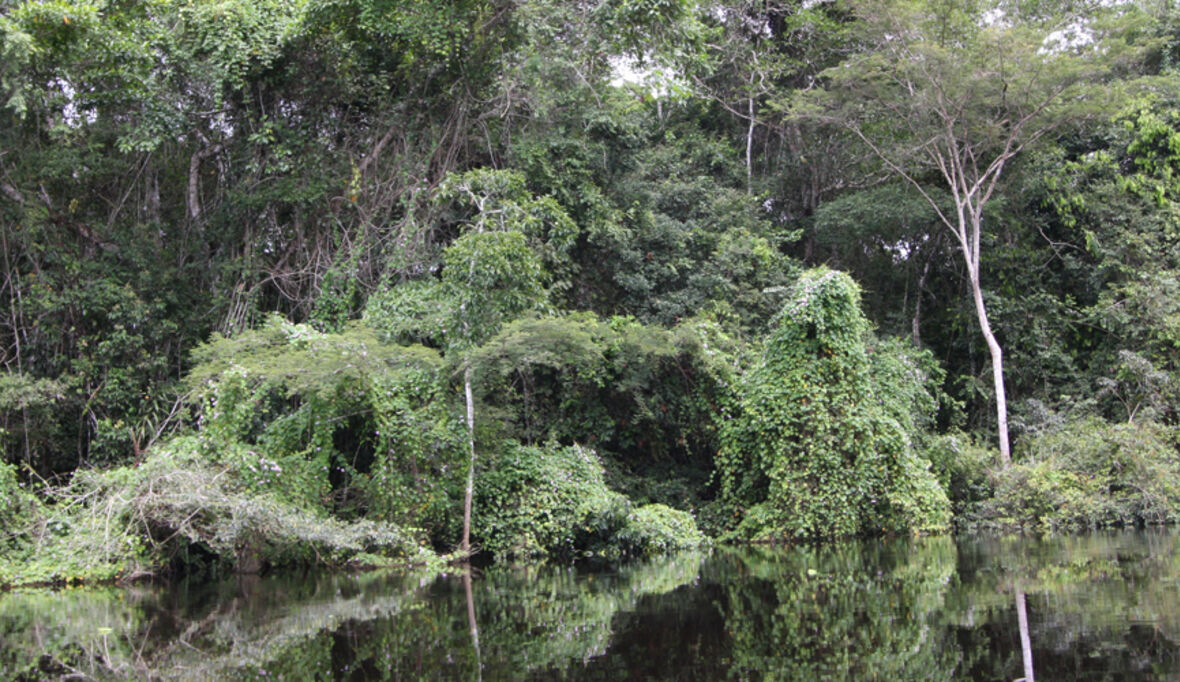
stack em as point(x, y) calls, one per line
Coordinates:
point(750, 148)
point(12, 193)
point(916, 322)
point(997, 355)
point(194, 179)
point(465, 546)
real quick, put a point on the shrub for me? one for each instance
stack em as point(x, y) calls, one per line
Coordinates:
point(343, 421)
point(177, 505)
point(656, 528)
point(176, 498)
point(17, 506)
point(1090, 473)
point(964, 469)
point(546, 501)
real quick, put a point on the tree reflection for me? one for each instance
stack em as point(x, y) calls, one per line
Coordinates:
point(378, 627)
point(843, 611)
point(1103, 606)
point(1025, 640)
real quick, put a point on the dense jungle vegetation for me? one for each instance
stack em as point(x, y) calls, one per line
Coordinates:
point(367, 282)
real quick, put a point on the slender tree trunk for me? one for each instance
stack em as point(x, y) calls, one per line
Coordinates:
point(997, 354)
point(971, 190)
point(916, 323)
point(465, 547)
point(194, 179)
point(153, 199)
point(969, 233)
point(750, 149)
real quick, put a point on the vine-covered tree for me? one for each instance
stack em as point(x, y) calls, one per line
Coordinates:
point(814, 450)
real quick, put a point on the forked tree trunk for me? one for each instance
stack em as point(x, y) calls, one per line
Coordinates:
point(971, 190)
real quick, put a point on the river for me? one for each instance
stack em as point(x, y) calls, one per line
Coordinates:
point(1096, 606)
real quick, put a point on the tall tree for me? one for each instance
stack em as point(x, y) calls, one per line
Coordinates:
point(950, 93)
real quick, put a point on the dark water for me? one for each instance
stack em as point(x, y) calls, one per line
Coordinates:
point(1096, 607)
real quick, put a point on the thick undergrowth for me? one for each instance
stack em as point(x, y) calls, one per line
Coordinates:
point(1088, 474)
point(177, 512)
point(553, 501)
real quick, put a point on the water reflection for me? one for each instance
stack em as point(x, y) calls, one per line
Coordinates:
point(1102, 606)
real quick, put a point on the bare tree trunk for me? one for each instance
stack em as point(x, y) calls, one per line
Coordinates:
point(12, 193)
point(971, 190)
point(997, 354)
point(153, 198)
point(916, 323)
point(465, 546)
point(194, 179)
point(750, 148)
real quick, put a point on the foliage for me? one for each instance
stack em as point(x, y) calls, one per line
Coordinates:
point(411, 312)
point(648, 399)
point(816, 449)
point(18, 507)
point(1090, 474)
point(292, 230)
point(492, 277)
point(338, 421)
point(25, 416)
point(658, 529)
point(890, 240)
point(174, 498)
point(939, 85)
point(177, 508)
point(546, 501)
point(964, 470)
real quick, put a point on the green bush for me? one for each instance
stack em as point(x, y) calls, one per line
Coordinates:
point(964, 469)
point(647, 399)
point(17, 506)
point(546, 501)
point(656, 528)
point(344, 421)
point(1089, 474)
point(177, 506)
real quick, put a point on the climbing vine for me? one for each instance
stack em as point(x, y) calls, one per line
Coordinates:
point(814, 449)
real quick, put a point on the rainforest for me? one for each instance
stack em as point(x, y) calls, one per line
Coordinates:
point(387, 283)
